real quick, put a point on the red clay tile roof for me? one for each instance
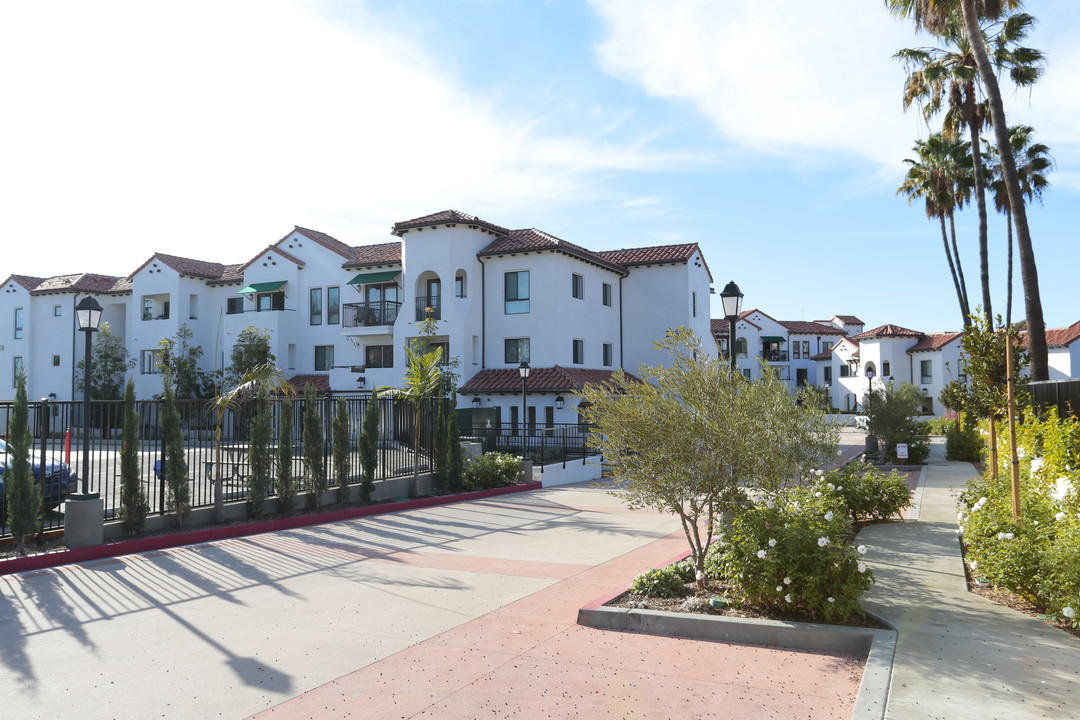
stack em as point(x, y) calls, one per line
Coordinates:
point(532, 240)
point(890, 331)
point(550, 380)
point(272, 249)
point(823, 355)
point(805, 327)
point(446, 217)
point(1060, 337)
point(849, 320)
point(26, 282)
point(82, 283)
point(934, 341)
point(330, 243)
point(230, 274)
point(650, 255)
point(382, 254)
point(321, 383)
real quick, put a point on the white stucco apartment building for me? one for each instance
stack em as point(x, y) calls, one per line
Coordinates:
point(340, 315)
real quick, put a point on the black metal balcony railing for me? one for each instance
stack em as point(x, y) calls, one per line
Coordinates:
point(429, 306)
point(774, 355)
point(369, 314)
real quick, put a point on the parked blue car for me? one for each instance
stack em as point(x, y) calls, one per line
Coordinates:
point(54, 484)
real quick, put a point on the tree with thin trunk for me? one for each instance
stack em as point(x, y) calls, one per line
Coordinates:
point(260, 465)
point(173, 465)
point(286, 483)
point(134, 506)
point(1033, 163)
point(933, 15)
point(314, 466)
point(940, 177)
point(22, 494)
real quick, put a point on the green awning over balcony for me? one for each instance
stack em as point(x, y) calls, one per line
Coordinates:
point(772, 338)
point(262, 287)
point(375, 277)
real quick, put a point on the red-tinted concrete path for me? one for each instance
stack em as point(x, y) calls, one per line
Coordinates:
point(529, 659)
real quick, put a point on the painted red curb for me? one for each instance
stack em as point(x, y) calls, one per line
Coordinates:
point(195, 537)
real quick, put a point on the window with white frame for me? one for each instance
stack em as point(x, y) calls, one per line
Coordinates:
point(18, 323)
point(150, 362)
point(885, 368)
point(315, 306)
point(57, 310)
point(17, 369)
point(609, 354)
point(516, 292)
point(606, 294)
point(379, 356)
point(577, 286)
point(579, 352)
point(324, 357)
point(516, 350)
point(333, 306)
point(926, 371)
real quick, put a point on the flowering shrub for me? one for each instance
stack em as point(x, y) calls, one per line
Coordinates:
point(490, 470)
point(790, 554)
point(869, 493)
point(662, 582)
point(1037, 556)
point(963, 444)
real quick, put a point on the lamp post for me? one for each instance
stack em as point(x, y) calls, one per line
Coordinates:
point(84, 512)
point(731, 297)
point(88, 312)
point(523, 371)
point(869, 386)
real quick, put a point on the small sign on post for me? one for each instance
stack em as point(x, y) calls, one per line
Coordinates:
point(901, 452)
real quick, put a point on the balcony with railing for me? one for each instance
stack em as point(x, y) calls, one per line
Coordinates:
point(369, 314)
point(774, 355)
point(429, 306)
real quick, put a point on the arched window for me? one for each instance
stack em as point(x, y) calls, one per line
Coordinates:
point(461, 288)
point(740, 347)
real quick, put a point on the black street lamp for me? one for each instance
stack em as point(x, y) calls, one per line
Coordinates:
point(523, 371)
point(731, 297)
point(869, 385)
point(88, 312)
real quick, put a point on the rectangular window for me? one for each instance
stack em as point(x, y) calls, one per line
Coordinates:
point(18, 323)
point(57, 310)
point(516, 350)
point(885, 370)
point(234, 305)
point(693, 304)
point(806, 349)
point(747, 374)
point(56, 360)
point(826, 345)
point(315, 306)
point(148, 309)
point(516, 288)
point(606, 294)
point(333, 305)
point(459, 286)
point(324, 357)
point(270, 301)
point(926, 370)
point(379, 356)
point(150, 362)
point(609, 353)
point(828, 373)
point(845, 371)
point(579, 352)
point(796, 353)
point(577, 286)
point(17, 370)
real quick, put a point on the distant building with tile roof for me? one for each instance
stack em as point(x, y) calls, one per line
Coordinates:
point(340, 315)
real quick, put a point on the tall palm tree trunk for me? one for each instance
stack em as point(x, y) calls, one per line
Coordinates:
point(980, 203)
point(965, 306)
point(1029, 273)
point(952, 269)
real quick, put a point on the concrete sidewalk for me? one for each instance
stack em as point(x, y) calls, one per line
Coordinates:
point(959, 655)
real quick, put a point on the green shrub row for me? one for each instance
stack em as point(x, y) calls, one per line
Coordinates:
point(491, 470)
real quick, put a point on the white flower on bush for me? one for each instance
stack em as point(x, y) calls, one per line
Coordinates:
point(761, 554)
point(822, 541)
point(960, 530)
point(1021, 452)
point(1059, 515)
point(862, 549)
point(1068, 612)
point(699, 575)
point(817, 494)
point(974, 565)
point(1036, 465)
point(832, 599)
point(788, 597)
point(787, 581)
point(1009, 536)
point(772, 542)
point(770, 503)
point(819, 472)
point(779, 588)
point(862, 567)
point(830, 486)
point(1062, 486)
point(829, 516)
point(959, 517)
point(840, 488)
point(1001, 536)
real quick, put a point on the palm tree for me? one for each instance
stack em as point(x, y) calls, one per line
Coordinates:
point(423, 382)
point(933, 15)
point(947, 79)
point(941, 179)
point(1033, 163)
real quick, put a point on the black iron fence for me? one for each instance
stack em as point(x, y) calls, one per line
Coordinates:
point(59, 430)
point(555, 443)
point(1062, 394)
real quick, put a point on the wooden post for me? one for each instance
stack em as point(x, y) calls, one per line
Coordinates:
point(1014, 466)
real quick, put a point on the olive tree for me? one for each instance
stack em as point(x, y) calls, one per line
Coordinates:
point(690, 436)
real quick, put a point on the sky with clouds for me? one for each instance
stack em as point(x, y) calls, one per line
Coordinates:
point(771, 133)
